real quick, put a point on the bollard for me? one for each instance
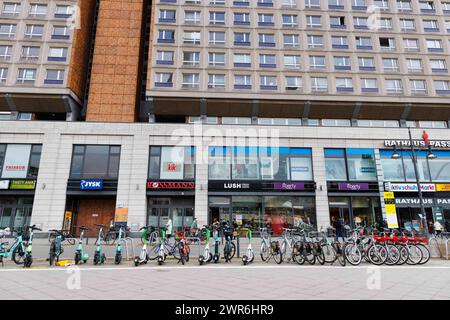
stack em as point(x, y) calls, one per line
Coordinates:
point(238, 246)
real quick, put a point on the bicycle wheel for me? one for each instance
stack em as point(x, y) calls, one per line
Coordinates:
point(404, 254)
point(329, 253)
point(233, 250)
point(308, 252)
point(265, 252)
point(18, 255)
point(277, 256)
point(425, 252)
point(415, 254)
point(393, 255)
point(298, 255)
point(377, 254)
point(320, 256)
point(352, 254)
point(175, 250)
point(153, 251)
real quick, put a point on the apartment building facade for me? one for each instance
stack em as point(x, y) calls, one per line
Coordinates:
point(264, 112)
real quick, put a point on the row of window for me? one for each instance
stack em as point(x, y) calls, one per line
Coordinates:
point(244, 39)
point(319, 122)
point(294, 61)
point(27, 76)
point(427, 7)
point(36, 10)
point(312, 21)
point(35, 31)
point(33, 53)
point(295, 83)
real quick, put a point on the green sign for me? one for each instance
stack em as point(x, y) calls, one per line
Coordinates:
point(22, 184)
point(438, 215)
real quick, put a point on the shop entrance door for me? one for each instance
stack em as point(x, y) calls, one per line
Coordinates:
point(181, 217)
point(219, 214)
point(340, 209)
point(14, 217)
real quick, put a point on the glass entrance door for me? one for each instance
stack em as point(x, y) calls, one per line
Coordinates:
point(5, 217)
point(340, 209)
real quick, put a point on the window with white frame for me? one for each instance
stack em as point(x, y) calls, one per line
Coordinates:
point(393, 86)
point(407, 24)
point(360, 22)
point(369, 83)
point(167, 15)
point(26, 76)
point(319, 84)
point(5, 52)
point(363, 41)
point(216, 81)
point(414, 65)
point(61, 31)
point(242, 80)
point(236, 120)
point(312, 3)
point(216, 37)
point(55, 76)
point(417, 86)
point(191, 80)
point(241, 18)
point(165, 56)
point(163, 78)
point(38, 10)
point(268, 81)
point(3, 75)
point(241, 37)
point(266, 38)
point(289, 20)
point(379, 123)
point(411, 44)
point(291, 61)
point(191, 17)
point(445, 6)
point(339, 41)
point(166, 35)
point(191, 37)
point(216, 58)
point(293, 83)
point(426, 6)
point(359, 3)
point(385, 23)
point(57, 52)
point(391, 64)
point(430, 25)
point(64, 10)
point(382, 5)
point(442, 86)
point(315, 41)
point(242, 59)
point(434, 44)
point(289, 3)
point(341, 62)
point(267, 60)
point(265, 18)
point(387, 43)
point(317, 62)
point(291, 40)
point(433, 124)
point(191, 58)
point(404, 5)
point(217, 17)
point(438, 64)
point(366, 62)
point(11, 9)
point(30, 53)
point(344, 83)
point(336, 122)
point(336, 3)
point(34, 31)
point(314, 21)
point(7, 30)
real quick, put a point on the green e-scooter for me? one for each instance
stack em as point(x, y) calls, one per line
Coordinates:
point(143, 257)
point(249, 256)
point(80, 255)
point(206, 256)
point(118, 257)
point(99, 256)
point(216, 255)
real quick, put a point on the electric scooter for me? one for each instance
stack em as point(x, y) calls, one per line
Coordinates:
point(216, 255)
point(80, 255)
point(249, 256)
point(28, 261)
point(206, 256)
point(143, 257)
point(118, 257)
point(161, 253)
point(99, 256)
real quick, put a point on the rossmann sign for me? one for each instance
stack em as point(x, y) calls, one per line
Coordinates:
point(158, 185)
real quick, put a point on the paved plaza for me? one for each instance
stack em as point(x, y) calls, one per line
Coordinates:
point(226, 281)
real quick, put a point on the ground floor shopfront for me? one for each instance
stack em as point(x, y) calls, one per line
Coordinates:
point(91, 174)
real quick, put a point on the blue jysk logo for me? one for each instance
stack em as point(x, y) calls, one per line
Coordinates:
point(91, 184)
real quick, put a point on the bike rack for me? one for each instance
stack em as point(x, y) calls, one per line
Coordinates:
point(447, 242)
point(437, 245)
point(126, 241)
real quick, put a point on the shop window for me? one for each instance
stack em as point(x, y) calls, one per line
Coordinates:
point(392, 168)
point(95, 161)
point(350, 165)
point(405, 167)
point(440, 167)
point(259, 163)
point(19, 161)
point(172, 163)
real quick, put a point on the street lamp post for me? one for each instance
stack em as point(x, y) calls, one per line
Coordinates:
point(416, 173)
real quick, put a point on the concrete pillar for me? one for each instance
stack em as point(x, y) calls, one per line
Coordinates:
point(50, 195)
point(131, 192)
point(201, 180)
point(380, 181)
point(322, 207)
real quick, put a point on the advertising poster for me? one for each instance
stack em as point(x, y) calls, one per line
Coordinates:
point(391, 210)
point(121, 217)
point(15, 165)
point(172, 163)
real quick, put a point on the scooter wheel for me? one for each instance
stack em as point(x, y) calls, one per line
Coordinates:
point(103, 258)
point(244, 260)
point(77, 258)
point(201, 260)
point(28, 262)
point(118, 259)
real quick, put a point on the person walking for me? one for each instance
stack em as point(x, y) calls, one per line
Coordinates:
point(437, 227)
point(169, 227)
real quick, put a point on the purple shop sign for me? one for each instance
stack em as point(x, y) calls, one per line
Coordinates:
point(289, 186)
point(346, 186)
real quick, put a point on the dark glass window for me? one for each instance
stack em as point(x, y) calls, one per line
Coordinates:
point(171, 163)
point(2, 155)
point(95, 162)
point(35, 158)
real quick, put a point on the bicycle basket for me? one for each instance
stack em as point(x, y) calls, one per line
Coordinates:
point(275, 246)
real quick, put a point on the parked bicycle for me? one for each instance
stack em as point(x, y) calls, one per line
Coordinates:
point(269, 249)
point(56, 246)
point(16, 251)
point(229, 248)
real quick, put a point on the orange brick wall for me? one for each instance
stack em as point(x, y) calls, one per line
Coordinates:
point(113, 94)
point(80, 49)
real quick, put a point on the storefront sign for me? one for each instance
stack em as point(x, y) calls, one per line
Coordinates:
point(347, 186)
point(16, 161)
point(441, 144)
point(96, 184)
point(4, 184)
point(413, 202)
point(170, 185)
point(289, 186)
point(443, 187)
point(172, 163)
point(22, 184)
point(438, 215)
point(409, 187)
point(121, 217)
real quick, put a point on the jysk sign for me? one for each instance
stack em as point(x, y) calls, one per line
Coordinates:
point(96, 184)
point(22, 184)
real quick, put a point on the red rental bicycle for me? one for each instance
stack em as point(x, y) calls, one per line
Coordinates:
point(183, 247)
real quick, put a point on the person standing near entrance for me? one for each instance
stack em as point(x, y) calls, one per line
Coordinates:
point(437, 227)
